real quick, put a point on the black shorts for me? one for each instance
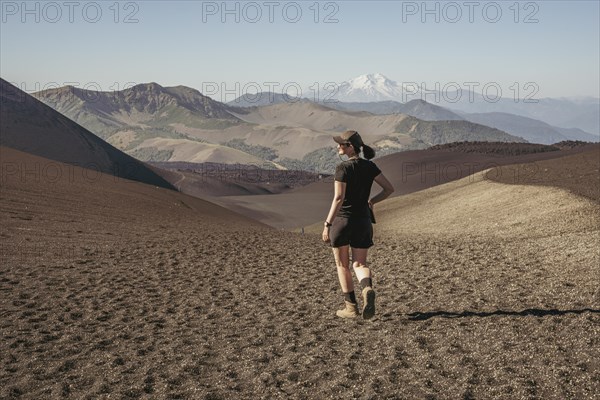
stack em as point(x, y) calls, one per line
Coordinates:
point(354, 231)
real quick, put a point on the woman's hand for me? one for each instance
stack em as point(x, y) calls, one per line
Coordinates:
point(370, 204)
point(325, 234)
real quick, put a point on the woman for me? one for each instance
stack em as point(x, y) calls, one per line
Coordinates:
point(348, 224)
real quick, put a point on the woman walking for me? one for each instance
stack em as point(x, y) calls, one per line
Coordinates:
point(348, 226)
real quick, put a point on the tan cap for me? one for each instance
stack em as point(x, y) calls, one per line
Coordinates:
point(351, 137)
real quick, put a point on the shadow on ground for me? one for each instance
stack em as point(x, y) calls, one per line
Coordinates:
point(535, 312)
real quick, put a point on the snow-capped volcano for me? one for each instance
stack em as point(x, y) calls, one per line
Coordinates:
point(367, 88)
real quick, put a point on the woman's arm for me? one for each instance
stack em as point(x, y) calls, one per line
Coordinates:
point(336, 204)
point(338, 200)
point(388, 189)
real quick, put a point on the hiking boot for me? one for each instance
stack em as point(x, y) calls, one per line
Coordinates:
point(350, 311)
point(368, 295)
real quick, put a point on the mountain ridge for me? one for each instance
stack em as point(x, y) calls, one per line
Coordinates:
point(148, 122)
point(30, 126)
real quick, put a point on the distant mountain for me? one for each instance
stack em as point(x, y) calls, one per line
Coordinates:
point(142, 106)
point(30, 126)
point(530, 129)
point(319, 118)
point(578, 134)
point(428, 112)
point(415, 108)
point(567, 113)
point(262, 99)
point(365, 88)
point(582, 113)
point(441, 132)
point(588, 120)
point(155, 123)
point(179, 124)
point(386, 133)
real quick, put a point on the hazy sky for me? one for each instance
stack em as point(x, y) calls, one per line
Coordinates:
point(107, 45)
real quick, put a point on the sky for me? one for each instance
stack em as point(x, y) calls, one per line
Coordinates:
point(225, 49)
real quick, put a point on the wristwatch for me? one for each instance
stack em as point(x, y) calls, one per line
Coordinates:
point(327, 224)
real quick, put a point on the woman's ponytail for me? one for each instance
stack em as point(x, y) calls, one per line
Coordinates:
point(368, 151)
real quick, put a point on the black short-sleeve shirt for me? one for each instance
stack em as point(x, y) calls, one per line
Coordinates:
point(358, 175)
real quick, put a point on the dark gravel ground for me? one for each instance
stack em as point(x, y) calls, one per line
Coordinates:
point(578, 173)
point(120, 290)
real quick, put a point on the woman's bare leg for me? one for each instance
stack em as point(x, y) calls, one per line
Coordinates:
point(359, 263)
point(363, 273)
point(342, 261)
